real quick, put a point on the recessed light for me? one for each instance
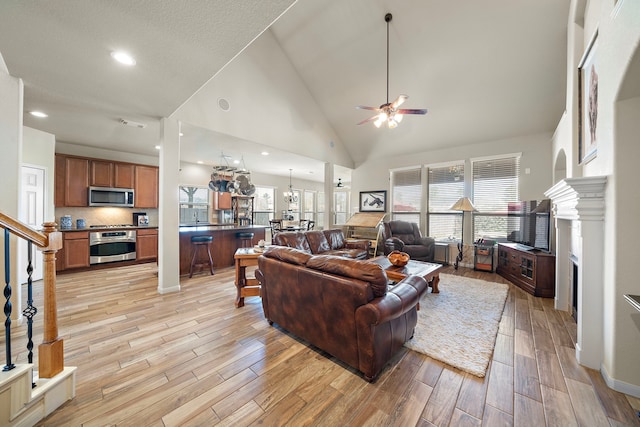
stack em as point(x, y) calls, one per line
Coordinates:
point(157, 147)
point(181, 134)
point(123, 58)
point(236, 162)
point(39, 114)
point(265, 153)
point(199, 162)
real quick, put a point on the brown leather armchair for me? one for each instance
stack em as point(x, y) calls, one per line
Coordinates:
point(405, 237)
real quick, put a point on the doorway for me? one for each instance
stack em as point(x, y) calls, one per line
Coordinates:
point(31, 213)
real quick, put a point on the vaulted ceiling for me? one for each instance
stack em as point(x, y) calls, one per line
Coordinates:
point(485, 70)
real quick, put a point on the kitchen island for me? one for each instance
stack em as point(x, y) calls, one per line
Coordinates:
point(224, 243)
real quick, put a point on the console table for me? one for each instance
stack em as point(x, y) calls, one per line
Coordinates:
point(531, 270)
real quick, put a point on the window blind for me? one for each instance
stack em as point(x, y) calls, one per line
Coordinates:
point(446, 186)
point(406, 191)
point(495, 184)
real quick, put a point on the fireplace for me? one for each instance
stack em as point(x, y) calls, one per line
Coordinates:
point(578, 207)
point(573, 282)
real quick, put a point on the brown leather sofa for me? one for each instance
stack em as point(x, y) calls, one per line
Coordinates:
point(340, 305)
point(328, 242)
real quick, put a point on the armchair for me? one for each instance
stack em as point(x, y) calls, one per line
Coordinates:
point(405, 237)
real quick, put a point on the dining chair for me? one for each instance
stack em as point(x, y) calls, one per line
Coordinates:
point(311, 224)
point(276, 225)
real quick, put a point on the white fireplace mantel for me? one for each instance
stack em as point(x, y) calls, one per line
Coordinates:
point(579, 198)
point(579, 204)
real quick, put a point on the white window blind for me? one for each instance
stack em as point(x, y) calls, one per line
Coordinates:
point(446, 186)
point(406, 195)
point(495, 184)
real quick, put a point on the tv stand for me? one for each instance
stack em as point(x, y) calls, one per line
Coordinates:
point(531, 270)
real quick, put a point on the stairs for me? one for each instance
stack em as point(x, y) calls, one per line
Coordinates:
point(22, 405)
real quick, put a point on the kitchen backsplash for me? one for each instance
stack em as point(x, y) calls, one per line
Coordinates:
point(105, 215)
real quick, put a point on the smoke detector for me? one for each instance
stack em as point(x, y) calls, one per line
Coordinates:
point(133, 124)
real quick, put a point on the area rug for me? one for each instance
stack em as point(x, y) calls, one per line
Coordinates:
point(459, 325)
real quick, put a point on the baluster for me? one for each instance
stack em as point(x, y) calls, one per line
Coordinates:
point(30, 311)
point(7, 305)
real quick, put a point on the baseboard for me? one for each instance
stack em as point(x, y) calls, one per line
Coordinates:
point(621, 386)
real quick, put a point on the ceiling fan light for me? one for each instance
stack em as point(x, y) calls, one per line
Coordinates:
point(398, 117)
point(378, 122)
point(392, 124)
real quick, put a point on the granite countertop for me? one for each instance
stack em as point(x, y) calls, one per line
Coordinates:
point(109, 228)
point(214, 227)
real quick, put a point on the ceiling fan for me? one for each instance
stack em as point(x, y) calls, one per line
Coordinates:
point(389, 112)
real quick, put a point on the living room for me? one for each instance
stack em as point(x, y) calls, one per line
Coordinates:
point(549, 156)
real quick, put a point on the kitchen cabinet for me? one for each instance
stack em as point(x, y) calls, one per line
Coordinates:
point(71, 181)
point(74, 252)
point(146, 244)
point(221, 200)
point(104, 173)
point(146, 186)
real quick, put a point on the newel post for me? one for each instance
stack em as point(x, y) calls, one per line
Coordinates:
point(51, 351)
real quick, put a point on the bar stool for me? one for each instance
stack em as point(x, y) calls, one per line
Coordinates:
point(246, 239)
point(201, 242)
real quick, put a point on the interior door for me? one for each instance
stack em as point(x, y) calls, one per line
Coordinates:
point(32, 214)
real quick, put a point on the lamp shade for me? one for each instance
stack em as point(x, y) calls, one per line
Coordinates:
point(463, 204)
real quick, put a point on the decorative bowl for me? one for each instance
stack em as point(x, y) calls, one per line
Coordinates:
point(399, 259)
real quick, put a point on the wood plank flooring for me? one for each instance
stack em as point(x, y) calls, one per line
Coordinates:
point(192, 359)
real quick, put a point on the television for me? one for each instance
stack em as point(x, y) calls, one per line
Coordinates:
point(529, 224)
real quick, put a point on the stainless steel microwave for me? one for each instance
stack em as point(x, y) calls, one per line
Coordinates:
point(105, 196)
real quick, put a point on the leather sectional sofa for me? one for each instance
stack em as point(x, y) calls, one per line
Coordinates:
point(328, 242)
point(340, 305)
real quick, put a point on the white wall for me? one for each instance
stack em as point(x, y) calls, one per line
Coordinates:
point(536, 156)
point(11, 106)
point(276, 108)
point(38, 150)
point(618, 27)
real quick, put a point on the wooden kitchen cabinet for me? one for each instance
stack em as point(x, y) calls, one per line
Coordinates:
point(104, 173)
point(101, 173)
point(146, 186)
point(221, 201)
point(75, 251)
point(71, 181)
point(123, 175)
point(146, 244)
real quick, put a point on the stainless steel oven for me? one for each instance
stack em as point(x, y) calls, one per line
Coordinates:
point(109, 246)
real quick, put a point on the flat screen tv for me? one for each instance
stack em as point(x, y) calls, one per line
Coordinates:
point(529, 224)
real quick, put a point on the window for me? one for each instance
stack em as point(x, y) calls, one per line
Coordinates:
point(495, 184)
point(406, 195)
point(293, 208)
point(263, 205)
point(341, 204)
point(309, 205)
point(194, 205)
point(320, 212)
point(446, 186)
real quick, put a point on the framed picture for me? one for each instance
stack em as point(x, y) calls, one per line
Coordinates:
point(373, 201)
point(588, 102)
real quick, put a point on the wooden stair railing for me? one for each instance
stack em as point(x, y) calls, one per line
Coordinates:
point(49, 241)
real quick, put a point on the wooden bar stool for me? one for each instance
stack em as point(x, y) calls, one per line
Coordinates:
point(201, 242)
point(246, 239)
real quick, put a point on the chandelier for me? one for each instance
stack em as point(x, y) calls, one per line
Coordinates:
point(289, 196)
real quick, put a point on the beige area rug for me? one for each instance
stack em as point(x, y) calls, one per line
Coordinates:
point(459, 325)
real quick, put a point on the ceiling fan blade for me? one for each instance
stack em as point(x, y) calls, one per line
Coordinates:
point(398, 101)
point(412, 111)
point(370, 119)
point(364, 107)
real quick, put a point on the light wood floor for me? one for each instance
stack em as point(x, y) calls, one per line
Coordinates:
point(191, 358)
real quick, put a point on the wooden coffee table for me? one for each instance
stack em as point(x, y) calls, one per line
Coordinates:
point(428, 270)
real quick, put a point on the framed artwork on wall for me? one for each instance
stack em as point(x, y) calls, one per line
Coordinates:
point(373, 201)
point(588, 102)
